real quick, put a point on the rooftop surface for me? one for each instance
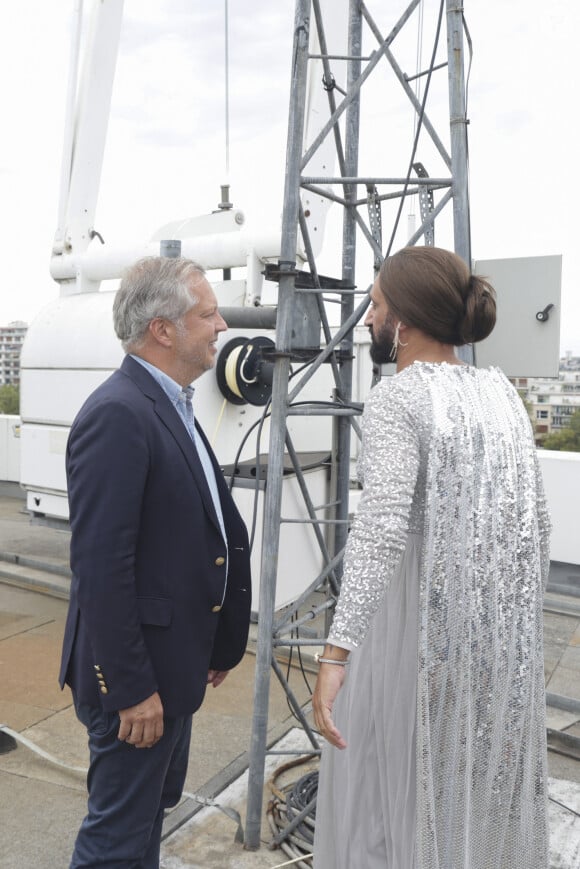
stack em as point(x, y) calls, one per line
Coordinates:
point(42, 783)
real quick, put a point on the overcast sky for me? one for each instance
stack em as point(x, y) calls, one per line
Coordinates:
point(165, 157)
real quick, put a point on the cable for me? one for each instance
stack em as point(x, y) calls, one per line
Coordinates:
point(258, 475)
point(419, 125)
point(418, 65)
point(243, 443)
point(205, 801)
point(562, 806)
point(227, 810)
point(296, 371)
point(470, 44)
point(230, 370)
point(296, 838)
point(40, 751)
point(302, 670)
point(290, 862)
point(218, 423)
point(227, 91)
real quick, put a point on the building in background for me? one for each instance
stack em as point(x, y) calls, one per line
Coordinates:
point(552, 401)
point(11, 340)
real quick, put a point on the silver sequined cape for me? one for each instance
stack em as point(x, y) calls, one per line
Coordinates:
point(448, 454)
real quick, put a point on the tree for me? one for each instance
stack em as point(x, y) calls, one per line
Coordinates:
point(568, 439)
point(9, 399)
point(530, 409)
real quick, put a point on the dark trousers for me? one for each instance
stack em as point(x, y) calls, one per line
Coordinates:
point(129, 789)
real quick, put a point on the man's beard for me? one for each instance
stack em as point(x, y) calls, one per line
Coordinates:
point(383, 348)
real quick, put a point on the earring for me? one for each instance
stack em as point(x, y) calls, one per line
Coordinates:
point(396, 343)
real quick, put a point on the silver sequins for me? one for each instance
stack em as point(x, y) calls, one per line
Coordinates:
point(448, 453)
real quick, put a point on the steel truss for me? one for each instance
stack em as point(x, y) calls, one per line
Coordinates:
point(300, 305)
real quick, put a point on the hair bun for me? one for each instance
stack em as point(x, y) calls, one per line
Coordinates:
point(480, 310)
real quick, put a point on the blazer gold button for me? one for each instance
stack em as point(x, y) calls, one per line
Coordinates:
point(216, 608)
point(219, 561)
point(104, 689)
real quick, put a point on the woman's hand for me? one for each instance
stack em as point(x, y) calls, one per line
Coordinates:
point(328, 684)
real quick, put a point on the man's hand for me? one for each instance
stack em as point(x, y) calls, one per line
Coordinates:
point(216, 677)
point(142, 725)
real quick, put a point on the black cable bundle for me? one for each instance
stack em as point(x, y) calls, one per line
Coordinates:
point(292, 813)
point(297, 799)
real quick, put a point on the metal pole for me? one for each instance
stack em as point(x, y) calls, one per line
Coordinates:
point(273, 493)
point(343, 424)
point(458, 122)
point(289, 325)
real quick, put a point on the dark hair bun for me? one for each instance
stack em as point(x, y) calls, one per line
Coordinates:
point(480, 311)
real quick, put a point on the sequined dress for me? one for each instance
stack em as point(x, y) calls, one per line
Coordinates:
point(443, 704)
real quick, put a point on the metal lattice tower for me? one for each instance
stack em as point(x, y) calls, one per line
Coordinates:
point(302, 315)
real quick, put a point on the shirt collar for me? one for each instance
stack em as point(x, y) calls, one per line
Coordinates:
point(171, 388)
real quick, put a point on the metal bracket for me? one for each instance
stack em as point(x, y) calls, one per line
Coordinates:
point(305, 280)
point(426, 204)
point(375, 221)
point(328, 82)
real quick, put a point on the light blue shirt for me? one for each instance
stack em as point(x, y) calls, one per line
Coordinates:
point(181, 400)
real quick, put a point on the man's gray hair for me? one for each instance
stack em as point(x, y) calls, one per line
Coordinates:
point(153, 287)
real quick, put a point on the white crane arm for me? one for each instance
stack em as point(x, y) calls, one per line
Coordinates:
point(88, 108)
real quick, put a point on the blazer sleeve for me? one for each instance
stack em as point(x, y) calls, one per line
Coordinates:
point(107, 465)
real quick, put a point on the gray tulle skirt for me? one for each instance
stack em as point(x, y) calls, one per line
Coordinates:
point(366, 807)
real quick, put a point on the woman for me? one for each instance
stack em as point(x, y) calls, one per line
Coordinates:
point(435, 655)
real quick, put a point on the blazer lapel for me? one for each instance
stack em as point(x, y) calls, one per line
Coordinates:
point(172, 421)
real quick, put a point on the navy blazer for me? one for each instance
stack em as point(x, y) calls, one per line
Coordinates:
point(150, 609)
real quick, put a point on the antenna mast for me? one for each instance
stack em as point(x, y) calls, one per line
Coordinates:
point(302, 315)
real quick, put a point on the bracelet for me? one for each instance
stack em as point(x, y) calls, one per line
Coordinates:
point(320, 660)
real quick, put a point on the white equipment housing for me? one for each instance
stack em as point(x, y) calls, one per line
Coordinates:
point(71, 347)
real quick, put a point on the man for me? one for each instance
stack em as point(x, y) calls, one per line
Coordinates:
point(160, 595)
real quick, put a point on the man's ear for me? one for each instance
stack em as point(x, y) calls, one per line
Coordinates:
point(161, 331)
